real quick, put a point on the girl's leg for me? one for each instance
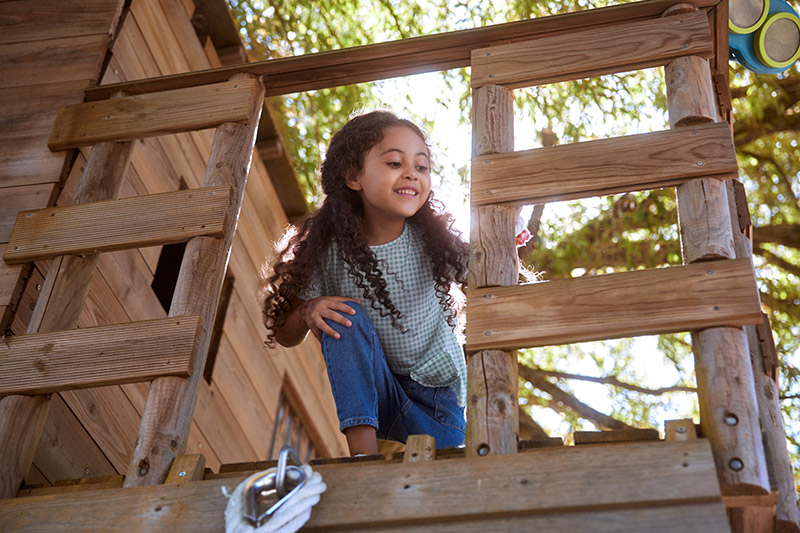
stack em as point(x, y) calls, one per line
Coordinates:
point(364, 389)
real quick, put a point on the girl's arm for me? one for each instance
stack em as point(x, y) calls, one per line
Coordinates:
point(309, 314)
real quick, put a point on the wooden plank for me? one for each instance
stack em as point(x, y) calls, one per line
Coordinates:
point(66, 451)
point(643, 475)
point(25, 160)
point(592, 52)
point(41, 363)
point(405, 57)
point(11, 281)
point(419, 448)
point(16, 199)
point(118, 224)
point(616, 435)
point(605, 166)
point(44, 61)
point(641, 302)
point(25, 21)
point(186, 468)
point(133, 117)
point(683, 429)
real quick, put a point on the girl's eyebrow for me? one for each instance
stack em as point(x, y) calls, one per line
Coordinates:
point(402, 152)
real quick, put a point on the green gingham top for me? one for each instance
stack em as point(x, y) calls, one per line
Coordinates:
point(429, 351)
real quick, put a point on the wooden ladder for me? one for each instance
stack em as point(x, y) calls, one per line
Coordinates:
point(170, 352)
point(713, 294)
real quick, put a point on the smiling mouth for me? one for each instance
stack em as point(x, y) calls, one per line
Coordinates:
point(407, 192)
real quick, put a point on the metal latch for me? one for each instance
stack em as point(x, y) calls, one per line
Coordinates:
point(280, 483)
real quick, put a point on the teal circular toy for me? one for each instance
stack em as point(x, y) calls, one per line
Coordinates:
point(764, 35)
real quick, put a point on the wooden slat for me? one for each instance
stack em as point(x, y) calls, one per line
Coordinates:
point(11, 281)
point(40, 363)
point(428, 53)
point(605, 166)
point(640, 302)
point(545, 484)
point(118, 224)
point(25, 21)
point(15, 199)
point(44, 61)
point(592, 52)
point(133, 117)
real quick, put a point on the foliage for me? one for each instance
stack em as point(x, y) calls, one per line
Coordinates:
point(623, 232)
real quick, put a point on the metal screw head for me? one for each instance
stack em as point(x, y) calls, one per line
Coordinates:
point(181, 474)
point(699, 163)
point(143, 472)
point(483, 449)
point(487, 333)
point(731, 419)
point(736, 464)
point(680, 429)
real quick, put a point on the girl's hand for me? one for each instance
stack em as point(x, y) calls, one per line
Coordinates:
point(331, 307)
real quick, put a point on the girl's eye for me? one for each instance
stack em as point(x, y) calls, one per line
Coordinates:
point(422, 168)
point(393, 164)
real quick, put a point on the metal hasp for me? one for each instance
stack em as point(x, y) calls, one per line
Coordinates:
point(281, 482)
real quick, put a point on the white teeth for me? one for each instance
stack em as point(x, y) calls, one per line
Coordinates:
point(407, 191)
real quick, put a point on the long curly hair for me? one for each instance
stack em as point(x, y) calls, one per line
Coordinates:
point(340, 219)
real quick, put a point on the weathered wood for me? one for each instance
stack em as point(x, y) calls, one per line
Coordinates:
point(24, 21)
point(118, 224)
point(168, 413)
point(690, 92)
point(703, 220)
point(419, 448)
point(429, 53)
point(41, 363)
point(549, 483)
point(187, 468)
point(133, 117)
point(728, 409)
point(11, 281)
point(592, 52)
point(753, 514)
point(492, 416)
point(616, 435)
point(641, 302)
point(66, 286)
point(15, 199)
point(680, 430)
point(604, 166)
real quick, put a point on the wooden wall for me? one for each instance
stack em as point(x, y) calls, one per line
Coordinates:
point(91, 433)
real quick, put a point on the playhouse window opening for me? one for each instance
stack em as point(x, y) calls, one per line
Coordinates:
point(290, 430)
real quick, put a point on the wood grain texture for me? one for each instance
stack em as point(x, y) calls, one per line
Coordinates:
point(680, 429)
point(545, 482)
point(492, 414)
point(15, 199)
point(41, 363)
point(704, 221)
point(11, 281)
point(728, 409)
point(690, 92)
point(419, 448)
point(187, 468)
point(641, 302)
point(42, 61)
point(25, 21)
point(168, 413)
point(134, 117)
point(127, 223)
point(592, 52)
point(605, 166)
point(429, 53)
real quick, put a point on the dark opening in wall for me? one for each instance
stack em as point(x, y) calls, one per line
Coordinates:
point(166, 276)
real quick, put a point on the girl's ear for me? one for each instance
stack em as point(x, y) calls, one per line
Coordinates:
point(352, 181)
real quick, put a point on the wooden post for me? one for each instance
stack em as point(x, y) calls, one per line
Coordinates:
point(420, 448)
point(728, 408)
point(168, 412)
point(769, 406)
point(492, 414)
point(59, 306)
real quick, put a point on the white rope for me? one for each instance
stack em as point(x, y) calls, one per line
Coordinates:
point(289, 517)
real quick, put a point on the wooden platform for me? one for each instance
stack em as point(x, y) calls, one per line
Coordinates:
point(641, 486)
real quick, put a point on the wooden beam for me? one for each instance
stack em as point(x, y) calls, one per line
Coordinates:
point(641, 302)
point(605, 166)
point(135, 222)
point(592, 52)
point(560, 483)
point(134, 117)
point(429, 53)
point(167, 416)
point(41, 363)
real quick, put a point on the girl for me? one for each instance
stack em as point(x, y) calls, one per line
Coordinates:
point(369, 274)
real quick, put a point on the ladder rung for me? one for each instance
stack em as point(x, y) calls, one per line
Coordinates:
point(593, 52)
point(41, 363)
point(640, 302)
point(605, 166)
point(134, 117)
point(135, 222)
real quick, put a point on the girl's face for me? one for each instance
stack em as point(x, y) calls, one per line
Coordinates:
point(395, 181)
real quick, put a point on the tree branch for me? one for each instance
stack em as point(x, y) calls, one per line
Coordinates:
point(613, 380)
point(777, 260)
point(781, 173)
point(560, 396)
point(529, 429)
point(785, 234)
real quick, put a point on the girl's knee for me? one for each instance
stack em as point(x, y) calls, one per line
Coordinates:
point(360, 323)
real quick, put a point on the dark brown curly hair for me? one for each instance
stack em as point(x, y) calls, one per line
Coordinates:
point(340, 219)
